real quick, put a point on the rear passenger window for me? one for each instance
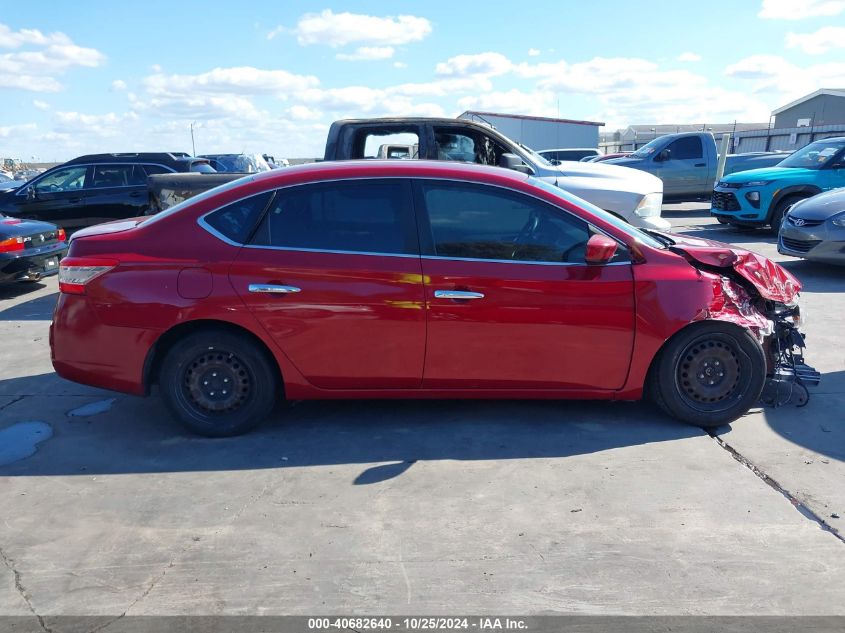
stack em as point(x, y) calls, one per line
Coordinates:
point(367, 216)
point(236, 220)
point(111, 176)
point(152, 170)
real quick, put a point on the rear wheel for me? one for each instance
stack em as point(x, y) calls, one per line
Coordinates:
point(217, 383)
point(709, 374)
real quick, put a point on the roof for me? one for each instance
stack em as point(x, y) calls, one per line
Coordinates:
point(696, 127)
point(831, 92)
point(529, 117)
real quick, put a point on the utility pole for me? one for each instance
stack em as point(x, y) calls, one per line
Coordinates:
point(193, 145)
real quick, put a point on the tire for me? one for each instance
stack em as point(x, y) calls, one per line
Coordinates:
point(680, 381)
point(779, 212)
point(220, 358)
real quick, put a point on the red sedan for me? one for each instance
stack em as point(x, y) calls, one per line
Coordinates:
point(413, 279)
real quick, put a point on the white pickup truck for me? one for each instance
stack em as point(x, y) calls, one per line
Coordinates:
point(633, 195)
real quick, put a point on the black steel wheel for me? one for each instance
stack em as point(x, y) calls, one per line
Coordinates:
point(218, 384)
point(709, 374)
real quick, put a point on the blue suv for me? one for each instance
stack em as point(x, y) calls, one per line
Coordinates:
point(758, 197)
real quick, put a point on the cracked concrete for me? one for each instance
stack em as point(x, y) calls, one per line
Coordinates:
point(423, 507)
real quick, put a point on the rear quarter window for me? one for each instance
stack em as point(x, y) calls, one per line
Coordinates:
point(236, 221)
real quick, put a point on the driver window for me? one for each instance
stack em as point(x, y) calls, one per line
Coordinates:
point(454, 144)
point(479, 222)
point(68, 179)
point(686, 148)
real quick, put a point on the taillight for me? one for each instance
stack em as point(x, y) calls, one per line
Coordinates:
point(61, 235)
point(76, 272)
point(11, 244)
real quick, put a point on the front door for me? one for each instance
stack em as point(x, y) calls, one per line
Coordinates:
point(684, 169)
point(333, 274)
point(511, 302)
point(57, 197)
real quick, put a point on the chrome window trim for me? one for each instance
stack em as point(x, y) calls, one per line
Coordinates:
point(203, 224)
point(87, 165)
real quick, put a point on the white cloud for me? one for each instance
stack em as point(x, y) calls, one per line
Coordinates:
point(11, 131)
point(485, 64)
point(689, 57)
point(45, 56)
point(29, 82)
point(40, 105)
point(367, 53)
point(800, 9)
point(16, 39)
point(533, 52)
point(276, 32)
point(775, 76)
point(118, 85)
point(244, 80)
point(819, 42)
point(339, 29)
point(537, 103)
point(303, 113)
point(400, 65)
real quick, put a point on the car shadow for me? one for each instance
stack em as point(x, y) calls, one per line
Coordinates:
point(13, 290)
point(385, 437)
point(38, 309)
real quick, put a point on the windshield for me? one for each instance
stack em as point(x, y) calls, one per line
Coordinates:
point(622, 225)
point(815, 155)
point(648, 149)
point(542, 160)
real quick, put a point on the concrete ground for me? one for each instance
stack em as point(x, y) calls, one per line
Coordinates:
point(108, 508)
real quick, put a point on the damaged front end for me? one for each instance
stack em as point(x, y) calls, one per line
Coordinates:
point(762, 297)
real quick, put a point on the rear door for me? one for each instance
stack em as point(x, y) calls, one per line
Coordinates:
point(512, 304)
point(685, 171)
point(115, 191)
point(333, 274)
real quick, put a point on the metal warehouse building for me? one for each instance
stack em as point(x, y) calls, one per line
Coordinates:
point(822, 107)
point(540, 133)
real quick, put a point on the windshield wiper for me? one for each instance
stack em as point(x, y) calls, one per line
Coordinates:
point(660, 237)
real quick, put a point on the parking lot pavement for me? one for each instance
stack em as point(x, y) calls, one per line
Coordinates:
point(420, 507)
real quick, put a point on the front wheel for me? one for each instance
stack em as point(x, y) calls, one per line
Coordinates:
point(218, 384)
point(709, 375)
point(779, 213)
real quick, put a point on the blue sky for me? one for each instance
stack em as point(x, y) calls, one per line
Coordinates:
point(271, 76)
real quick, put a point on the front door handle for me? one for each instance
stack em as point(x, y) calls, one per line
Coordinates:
point(701, 164)
point(457, 294)
point(273, 289)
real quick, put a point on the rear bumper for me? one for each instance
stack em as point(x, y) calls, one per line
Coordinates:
point(85, 350)
point(24, 266)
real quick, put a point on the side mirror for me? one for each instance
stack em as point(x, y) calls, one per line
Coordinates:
point(30, 193)
point(512, 161)
point(664, 155)
point(600, 249)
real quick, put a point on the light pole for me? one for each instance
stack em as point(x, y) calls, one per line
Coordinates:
point(193, 145)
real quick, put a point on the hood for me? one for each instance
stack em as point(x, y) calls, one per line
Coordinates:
point(109, 227)
point(770, 173)
point(820, 207)
point(771, 280)
point(624, 178)
point(624, 160)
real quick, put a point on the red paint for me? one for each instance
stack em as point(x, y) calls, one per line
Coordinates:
point(370, 326)
point(600, 249)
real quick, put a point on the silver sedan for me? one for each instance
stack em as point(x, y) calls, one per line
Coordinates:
point(814, 228)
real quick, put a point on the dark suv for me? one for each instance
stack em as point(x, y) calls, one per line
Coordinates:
point(95, 188)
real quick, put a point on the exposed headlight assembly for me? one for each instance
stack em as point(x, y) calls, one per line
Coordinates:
point(650, 206)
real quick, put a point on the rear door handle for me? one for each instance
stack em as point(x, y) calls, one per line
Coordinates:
point(701, 164)
point(457, 294)
point(273, 289)
point(74, 200)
